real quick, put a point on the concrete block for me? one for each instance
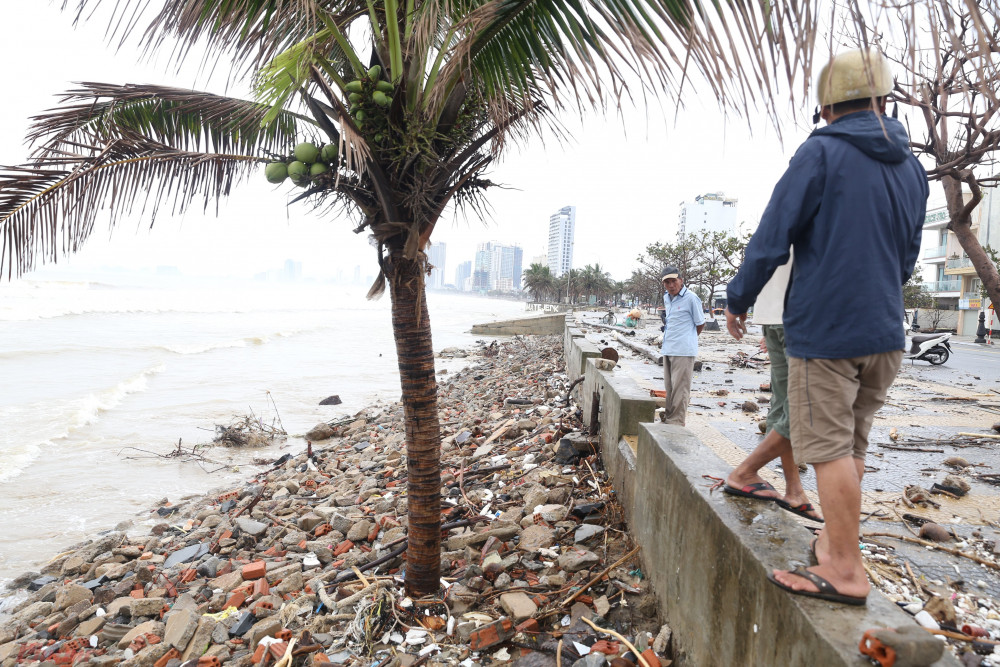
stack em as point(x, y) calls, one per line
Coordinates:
point(708, 555)
point(541, 325)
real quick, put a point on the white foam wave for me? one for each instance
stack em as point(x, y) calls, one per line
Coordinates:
point(17, 458)
point(78, 414)
point(93, 405)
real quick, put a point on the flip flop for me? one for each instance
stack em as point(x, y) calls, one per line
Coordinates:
point(799, 510)
point(752, 491)
point(826, 590)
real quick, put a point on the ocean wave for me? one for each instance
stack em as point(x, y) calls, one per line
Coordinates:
point(92, 405)
point(77, 414)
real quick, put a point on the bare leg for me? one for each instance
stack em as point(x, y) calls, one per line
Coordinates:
point(821, 548)
point(840, 494)
point(774, 445)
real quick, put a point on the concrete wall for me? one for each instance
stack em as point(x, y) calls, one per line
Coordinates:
point(706, 554)
point(576, 351)
point(541, 325)
point(624, 405)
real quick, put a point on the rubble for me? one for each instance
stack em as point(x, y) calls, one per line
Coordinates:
point(303, 564)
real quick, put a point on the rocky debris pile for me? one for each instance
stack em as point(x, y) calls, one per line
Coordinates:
point(302, 565)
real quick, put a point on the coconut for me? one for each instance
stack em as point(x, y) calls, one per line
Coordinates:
point(380, 98)
point(375, 72)
point(354, 98)
point(384, 86)
point(318, 168)
point(298, 172)
point(359, 115)
point(276, 172)
point(354, 86)
point(329, 153)
point(306, 152)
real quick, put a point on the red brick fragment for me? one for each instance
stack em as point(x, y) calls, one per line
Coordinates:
point(606, 647)
point(491, 635)
point(530, 625)
point(254, 570)
point(649, 655)
point(172, 654)
point(236, 600)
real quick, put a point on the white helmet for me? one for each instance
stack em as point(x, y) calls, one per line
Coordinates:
point(854, 75)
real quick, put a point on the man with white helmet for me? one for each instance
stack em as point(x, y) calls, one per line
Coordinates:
point(852, 204)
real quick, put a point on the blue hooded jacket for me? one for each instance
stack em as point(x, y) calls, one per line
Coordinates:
point(852, 203)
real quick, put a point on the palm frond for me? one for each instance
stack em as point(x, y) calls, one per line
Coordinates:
point(49, 207)
point(252, 31)
point(187, 120)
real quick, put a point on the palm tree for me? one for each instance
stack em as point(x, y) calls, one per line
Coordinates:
point(538, 280)
point(417, 98)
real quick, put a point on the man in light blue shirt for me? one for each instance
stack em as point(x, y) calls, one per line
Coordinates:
point(683, 322)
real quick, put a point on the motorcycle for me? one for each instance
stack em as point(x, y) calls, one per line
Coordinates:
point(934, 348)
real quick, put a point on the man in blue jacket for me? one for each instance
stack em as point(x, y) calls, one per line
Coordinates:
point(682, 323)
point(852, 204)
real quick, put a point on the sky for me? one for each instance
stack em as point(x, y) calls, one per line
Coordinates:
point(626, 175)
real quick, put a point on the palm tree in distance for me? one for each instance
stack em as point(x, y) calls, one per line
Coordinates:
point(538, 281)
point(415, 99)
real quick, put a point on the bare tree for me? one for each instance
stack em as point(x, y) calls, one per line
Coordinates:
point(954, 87)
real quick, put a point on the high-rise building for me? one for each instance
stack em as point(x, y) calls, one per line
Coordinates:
point(712, 212)
point(497, 267)
point(436, 254)
point(562, 224)
point(462, 274)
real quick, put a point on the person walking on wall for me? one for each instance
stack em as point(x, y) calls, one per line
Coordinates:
point(852, 202)
point(683, 321)
point(745, 479)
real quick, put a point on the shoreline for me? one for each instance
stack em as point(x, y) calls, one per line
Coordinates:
point(307, 523)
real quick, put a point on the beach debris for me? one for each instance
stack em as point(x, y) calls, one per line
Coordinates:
point(302, 564)
point(331, 400)
point(934, 532)
point(247, 431)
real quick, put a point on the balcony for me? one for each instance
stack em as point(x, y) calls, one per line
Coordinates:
point(938, 286)
point(959, 266)
point(931, 253)
point(972, 295)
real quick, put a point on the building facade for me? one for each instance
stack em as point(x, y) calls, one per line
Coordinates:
point(562, 226)
point(462, 276)
point(711, 212)
point(947, 270)
point(497, 268)
point(437, 256)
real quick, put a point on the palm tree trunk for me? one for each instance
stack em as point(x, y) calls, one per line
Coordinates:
point(412, 330)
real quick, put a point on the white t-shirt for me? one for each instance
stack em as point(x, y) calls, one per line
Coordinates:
point(770, 304)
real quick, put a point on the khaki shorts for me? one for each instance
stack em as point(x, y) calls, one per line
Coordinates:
point(832, 403)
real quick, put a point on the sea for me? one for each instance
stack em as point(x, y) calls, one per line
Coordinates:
point(101, 378)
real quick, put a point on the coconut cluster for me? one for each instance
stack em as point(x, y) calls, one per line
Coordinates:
point(307, 162)
point(369, 97)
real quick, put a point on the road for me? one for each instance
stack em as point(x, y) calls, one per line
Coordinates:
point(978, 365)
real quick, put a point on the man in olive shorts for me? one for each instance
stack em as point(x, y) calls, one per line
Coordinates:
point(744, 480)
point(852, 203)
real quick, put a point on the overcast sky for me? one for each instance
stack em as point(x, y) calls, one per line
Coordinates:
point(626, 178)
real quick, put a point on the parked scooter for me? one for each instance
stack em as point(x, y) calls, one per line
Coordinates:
point(934, 348)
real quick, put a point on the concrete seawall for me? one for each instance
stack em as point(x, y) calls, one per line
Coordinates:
point(535, 325)
point(707, 554)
